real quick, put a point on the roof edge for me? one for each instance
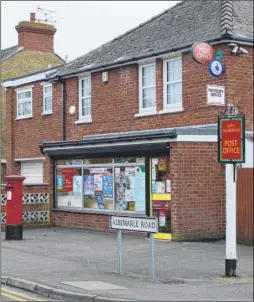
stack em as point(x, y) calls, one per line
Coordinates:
point(12, 54)
point(183, 48)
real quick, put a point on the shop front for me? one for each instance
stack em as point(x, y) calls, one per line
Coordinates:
point(125, 174)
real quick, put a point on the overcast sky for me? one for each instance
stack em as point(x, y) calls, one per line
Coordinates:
point(81, 25)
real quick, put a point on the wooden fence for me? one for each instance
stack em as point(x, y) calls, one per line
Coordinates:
point(244, 197)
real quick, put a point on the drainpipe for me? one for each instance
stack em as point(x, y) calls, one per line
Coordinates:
point(63, 108)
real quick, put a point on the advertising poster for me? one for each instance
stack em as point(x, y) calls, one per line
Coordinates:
point(107, 186)
point(77, 184)
point(121, 203)
point(88, 185)
point(68, 183)
point(97, 182)
point(59, 182)
point(99, 201)
point(140, 188)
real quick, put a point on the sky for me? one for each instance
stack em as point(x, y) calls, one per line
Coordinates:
point(81, 25)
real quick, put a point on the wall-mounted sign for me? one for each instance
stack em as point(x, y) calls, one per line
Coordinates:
point(215, 95)
point(202, 52)
point(231, 139)
point(216, 68)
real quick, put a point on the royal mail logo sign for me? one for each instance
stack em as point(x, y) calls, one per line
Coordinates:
point(202, 52)
point(231, 139)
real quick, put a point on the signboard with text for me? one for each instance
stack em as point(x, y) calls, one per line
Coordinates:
point(231, 139)
point(138, 224)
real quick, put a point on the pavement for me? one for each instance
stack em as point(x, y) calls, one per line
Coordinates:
point(10, 294)
point(87, 261)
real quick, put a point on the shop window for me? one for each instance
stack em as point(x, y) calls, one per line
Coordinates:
point(69, 187)
point(121, 160)
point(63, 162)
point(97, 161)
point(102, 184)
point(98, 188)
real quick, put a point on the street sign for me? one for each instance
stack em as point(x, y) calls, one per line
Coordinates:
point(138, 224)
point(231, 139)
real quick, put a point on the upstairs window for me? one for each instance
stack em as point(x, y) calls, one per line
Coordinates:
point(47, 99)
point(173, 84)
point(85, 99)
point(147, 88)
point(24, 103)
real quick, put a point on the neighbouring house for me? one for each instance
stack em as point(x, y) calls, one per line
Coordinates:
point(34, 51)
point(132, 126)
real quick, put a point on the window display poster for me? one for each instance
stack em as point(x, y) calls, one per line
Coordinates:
point(68, 183)
point(97, 182)
point(99, 200)
point(140, 188)
point(120, 184)
point(88, 185)
point(59, 182)
point(77, 184)
point(107, 186)
point(168, 185)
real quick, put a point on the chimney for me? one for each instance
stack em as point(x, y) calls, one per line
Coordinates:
point(36, 36)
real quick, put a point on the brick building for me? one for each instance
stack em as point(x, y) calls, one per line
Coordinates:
point(143, 138)
point(34, 52)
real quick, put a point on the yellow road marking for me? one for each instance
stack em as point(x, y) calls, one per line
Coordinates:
point(20, 295)
point(13, 298)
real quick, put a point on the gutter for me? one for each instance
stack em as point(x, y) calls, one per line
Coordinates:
point(226, 39)
point(63, 108)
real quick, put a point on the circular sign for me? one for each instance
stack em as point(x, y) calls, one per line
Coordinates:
point(202, 52)
point(215, 68)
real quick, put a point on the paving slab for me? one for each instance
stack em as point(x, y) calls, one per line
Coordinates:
point(184, 271)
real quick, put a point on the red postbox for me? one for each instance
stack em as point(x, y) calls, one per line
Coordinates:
point(14, 207)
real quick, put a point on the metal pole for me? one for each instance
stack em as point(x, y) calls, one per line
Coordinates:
point(152, 265)
point(230, 262)
point(119, 251)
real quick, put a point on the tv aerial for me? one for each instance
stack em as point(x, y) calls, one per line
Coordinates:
point(45, 15)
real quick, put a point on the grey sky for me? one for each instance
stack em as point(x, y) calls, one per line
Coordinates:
point(81, 25)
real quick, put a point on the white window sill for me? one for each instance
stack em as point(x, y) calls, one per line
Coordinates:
point(171, 110)
point(84, 121)
point(141, 114)
point(23, 118)
point(47, 113)
point(215, 104)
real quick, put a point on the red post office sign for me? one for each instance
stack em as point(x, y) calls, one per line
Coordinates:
point(231, 139)
point(202, 52)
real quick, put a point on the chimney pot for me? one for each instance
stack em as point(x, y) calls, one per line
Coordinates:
point(32, 17)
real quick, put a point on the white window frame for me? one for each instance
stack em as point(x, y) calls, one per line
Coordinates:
point(44, 98)
point(166, 106)
point(151, 110)
point(86, 118)
point(20, 117)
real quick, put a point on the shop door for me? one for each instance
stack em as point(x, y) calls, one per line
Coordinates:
point(160, 195)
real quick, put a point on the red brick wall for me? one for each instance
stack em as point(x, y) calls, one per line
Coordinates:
point(198, 191)
point(240, 83)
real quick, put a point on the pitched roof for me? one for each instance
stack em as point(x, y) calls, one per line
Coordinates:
point(174, 29)
point(9, 52)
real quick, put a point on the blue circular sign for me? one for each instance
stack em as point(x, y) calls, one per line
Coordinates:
point(216, 68)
